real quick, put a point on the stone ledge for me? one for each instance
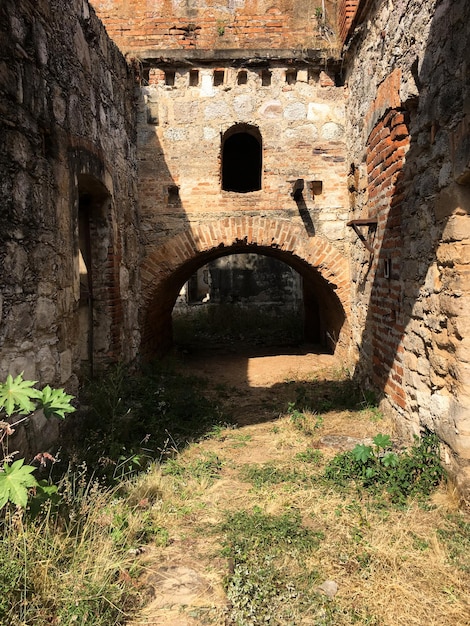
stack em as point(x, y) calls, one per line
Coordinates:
point(255, 57)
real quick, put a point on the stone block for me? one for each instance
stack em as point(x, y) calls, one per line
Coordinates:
point(331, 131)
point(457, 228)
point(216, 111)
point(295, 111)
point(452, 305)
point(450, 253)
point(318, 112)
point(453, 200)
point(65, 358)
point(243, 107)
point(23, 364)
point(271, 109)
point(45, 314)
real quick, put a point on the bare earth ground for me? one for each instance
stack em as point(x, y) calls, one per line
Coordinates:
point(185, 578)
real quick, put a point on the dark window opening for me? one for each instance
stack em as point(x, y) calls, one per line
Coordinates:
point(85, 304)
point(316, 187)
point(170, 78)
point(242, 162)
point(145, 76)
point(313, 76)
point(242, 77)
point(194, 78)
point(173, 195)
point(218, 77)
point(92, 259)
point(339, 80)
point(291, 77)
point(266, 78)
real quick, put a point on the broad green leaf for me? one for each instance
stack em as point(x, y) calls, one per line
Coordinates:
point(390, 459)
point(382, 441)
point(55, 402)
point(16, 395)
point(362, 453)
point(15, 480)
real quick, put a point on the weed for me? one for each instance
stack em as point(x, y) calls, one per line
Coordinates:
point(216, 432)
point(311, 455)
point(412, 473)
point(240, 440)
point(419, 543)
point(248, 531)
point(207, 467)
point(269, 474)
point(69, 564)
point(265, 551)
point(133, 419)
point(456, 535)
point(303, 422)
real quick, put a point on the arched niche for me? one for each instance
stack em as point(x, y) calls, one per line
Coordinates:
point(242, 159)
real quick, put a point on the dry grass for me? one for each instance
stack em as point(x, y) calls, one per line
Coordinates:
point(391, 565)
point(394, 566)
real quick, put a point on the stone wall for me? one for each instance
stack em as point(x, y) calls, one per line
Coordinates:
point(253, 280)
point(300, 120)
point(408, 114)
point(69, 247)
point(138, 26)
point(295, 114)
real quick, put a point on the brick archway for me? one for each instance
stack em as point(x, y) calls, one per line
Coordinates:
point(168, 267)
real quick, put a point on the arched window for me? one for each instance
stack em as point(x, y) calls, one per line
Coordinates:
point(241, 159)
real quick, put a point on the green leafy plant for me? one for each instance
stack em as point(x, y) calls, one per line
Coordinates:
point(456, 535)
point(412, 473)
point(15, 480)
point(207, 467)
point(311, 455)
point(265, 551)
point(20, 397)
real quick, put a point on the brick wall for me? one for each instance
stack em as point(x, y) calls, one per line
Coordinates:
point(386, 153)
point(347, 10)
point(138, 25)
point(301, 125)
point(185, 212)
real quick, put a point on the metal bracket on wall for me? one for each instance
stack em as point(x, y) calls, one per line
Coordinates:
point(297, 188)
point(354, 224)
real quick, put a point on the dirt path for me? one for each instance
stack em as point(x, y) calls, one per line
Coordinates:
point(254, 386)
point(253, 383)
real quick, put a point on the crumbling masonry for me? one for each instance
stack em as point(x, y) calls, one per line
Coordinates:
point(334, 140)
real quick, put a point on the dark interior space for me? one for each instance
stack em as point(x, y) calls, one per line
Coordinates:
point(241, 298)
point(241, 162)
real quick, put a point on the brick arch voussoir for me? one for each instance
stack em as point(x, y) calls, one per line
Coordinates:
point(249, 231)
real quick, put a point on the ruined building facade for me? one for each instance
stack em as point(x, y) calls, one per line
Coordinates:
point(333, 138)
